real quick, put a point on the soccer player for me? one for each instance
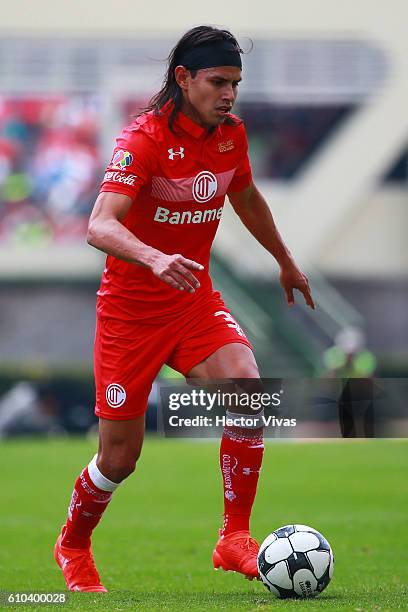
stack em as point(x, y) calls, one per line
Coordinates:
point(156, 217)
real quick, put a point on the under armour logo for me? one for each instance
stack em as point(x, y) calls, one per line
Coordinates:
point(247, 471)
point(63, 560)
point(173, 153)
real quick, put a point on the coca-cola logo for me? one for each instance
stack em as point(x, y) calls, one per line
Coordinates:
point(204, 186)
point(120, 177)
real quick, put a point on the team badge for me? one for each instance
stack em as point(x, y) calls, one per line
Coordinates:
point(115, 395)
point(122, 159)
point(204, 186)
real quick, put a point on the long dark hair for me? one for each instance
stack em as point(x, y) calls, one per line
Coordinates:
point(171, 90)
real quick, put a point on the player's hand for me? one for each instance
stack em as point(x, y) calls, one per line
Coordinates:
point(175, 270)
point(292, 278)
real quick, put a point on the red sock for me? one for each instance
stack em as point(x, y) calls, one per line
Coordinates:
point(241, 454)
point(88, 503)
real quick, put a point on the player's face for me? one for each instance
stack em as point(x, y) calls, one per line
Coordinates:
point(210, 95)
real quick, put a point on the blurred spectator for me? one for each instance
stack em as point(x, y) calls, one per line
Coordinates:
point(350, 360)
point(26, 409)
point(50, 167)
point(348, 357)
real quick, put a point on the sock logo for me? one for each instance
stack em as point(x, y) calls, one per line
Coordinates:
point(226, 471)
point(115, 395)
point(63, 561)
point(230, 495)
point(98, 495)
point(72, 504)
point(247, 471)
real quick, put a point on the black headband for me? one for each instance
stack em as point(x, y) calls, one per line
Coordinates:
point(211, 55)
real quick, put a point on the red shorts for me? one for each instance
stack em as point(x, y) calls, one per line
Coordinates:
point(128, 356)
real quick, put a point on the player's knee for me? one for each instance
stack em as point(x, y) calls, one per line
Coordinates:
point(118, 466)
point(246, 370)
point(119, 470)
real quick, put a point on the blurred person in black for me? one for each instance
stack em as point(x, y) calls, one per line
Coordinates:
point(350, 360)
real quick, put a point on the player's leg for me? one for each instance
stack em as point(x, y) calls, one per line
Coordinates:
point(127, 359)
point(233, 360)
point(214, 346)
point(120, 444)
point(241, 453)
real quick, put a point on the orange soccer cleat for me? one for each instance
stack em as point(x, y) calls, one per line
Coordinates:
point(78, 567)
point(237, 552)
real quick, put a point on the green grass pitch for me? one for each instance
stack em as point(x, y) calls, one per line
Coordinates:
point(153, 547)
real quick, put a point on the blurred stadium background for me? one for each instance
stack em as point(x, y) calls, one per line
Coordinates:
point(324, 99)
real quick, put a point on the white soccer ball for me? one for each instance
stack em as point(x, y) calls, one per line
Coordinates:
point(295, 561)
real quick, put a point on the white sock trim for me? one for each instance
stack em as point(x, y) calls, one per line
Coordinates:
point(246, 421)
point(99, 479)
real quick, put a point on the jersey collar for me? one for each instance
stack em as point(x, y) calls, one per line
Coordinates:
point(189, 126)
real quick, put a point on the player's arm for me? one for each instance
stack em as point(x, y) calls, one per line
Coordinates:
point(255, 214)
point(107, 233)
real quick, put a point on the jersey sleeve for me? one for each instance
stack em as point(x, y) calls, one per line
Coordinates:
point(131, 165)
point(243, 173)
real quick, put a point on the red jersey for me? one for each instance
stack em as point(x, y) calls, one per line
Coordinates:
point(178, 182)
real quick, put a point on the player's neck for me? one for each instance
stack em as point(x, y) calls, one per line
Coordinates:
point(189, 111)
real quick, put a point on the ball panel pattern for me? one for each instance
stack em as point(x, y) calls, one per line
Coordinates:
point(304, 583)
point(285, 531)
point(279, 575)
point(298, 561)
point(304, 541)
point(320, 560)
point(278, 551)
point(268, 540)
point(305, 528)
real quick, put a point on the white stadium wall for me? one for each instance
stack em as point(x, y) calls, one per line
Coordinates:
point(380, 19)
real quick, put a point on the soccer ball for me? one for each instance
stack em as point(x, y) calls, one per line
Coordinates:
point(295, 561)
